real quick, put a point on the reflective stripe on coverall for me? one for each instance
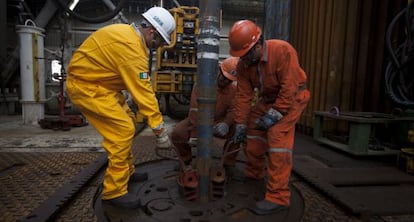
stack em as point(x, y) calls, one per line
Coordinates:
point(280, 82)
point(224, 112)
point(110, 60)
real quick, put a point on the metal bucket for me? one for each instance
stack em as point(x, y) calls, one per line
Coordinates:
point(406, 160)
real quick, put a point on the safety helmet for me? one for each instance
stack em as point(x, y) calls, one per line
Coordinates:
point(229, 68)
point(242, 37)
point(162, 20)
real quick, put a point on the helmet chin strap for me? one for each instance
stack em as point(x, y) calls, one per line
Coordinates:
point(151, 52)
point(250, 62)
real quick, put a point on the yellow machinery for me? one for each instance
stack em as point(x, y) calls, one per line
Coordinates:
point(176, 64)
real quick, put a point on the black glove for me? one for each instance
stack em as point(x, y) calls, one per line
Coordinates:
point(270, 118)
point(240, 134)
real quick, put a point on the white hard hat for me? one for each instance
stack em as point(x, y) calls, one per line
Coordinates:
point(162, 20)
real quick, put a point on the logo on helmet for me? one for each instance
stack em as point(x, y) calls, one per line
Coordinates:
point(158, 20)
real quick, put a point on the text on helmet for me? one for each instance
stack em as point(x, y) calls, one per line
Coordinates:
point(158, 20)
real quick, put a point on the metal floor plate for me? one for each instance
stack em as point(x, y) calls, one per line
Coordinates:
point(373, 191)
point(28, 179)
point(162, 201)
point(363, 186)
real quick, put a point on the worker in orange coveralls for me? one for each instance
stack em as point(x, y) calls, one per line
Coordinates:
point(110, 60)
point(184, 135)
point(271, 95)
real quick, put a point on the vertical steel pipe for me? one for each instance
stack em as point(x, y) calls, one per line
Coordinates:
point(32, 72)
point(277, 21)
point(207, 66)
point(3, 26)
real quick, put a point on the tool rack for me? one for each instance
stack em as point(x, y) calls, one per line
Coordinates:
point(361, 127)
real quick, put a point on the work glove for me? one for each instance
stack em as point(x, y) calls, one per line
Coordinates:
point(221, 129)
point(240, 133)
point(162, 141)
point(270, 118)
point(192, 142)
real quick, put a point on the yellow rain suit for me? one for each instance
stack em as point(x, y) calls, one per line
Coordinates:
point(112, 59)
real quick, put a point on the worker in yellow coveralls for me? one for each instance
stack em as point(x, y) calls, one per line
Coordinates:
point(112, 59)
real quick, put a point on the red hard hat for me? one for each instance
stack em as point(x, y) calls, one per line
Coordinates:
point(228, 68)
point(242, 37)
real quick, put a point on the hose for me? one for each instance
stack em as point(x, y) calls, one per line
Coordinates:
point(399, 73)
point(99, 19)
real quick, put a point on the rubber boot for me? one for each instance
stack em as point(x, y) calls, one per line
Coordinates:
point(264, 207)
point(138, 177)
point(126, 201)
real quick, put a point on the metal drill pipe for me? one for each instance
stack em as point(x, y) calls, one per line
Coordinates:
point(207, 66)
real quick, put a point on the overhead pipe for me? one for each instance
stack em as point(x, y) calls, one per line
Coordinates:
point(46, 14)
point(111, 6)
point(207, 66)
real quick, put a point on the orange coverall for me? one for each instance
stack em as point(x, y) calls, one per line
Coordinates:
point(112, 59)
point(187, 128)
point(278, 82)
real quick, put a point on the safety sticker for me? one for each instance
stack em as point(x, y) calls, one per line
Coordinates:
point(143, 75)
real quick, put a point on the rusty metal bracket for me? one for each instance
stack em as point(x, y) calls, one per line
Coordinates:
point(218, 173)
point(188, 182)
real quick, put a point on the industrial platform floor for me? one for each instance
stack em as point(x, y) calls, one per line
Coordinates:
point(335, 186)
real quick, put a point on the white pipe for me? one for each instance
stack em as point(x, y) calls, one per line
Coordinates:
point(32, 72)
point(73, 4)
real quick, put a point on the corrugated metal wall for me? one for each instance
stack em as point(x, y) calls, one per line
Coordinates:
point(341, 47)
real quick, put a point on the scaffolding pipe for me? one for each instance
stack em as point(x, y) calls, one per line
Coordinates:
point(32, 72)
point(207, 67)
